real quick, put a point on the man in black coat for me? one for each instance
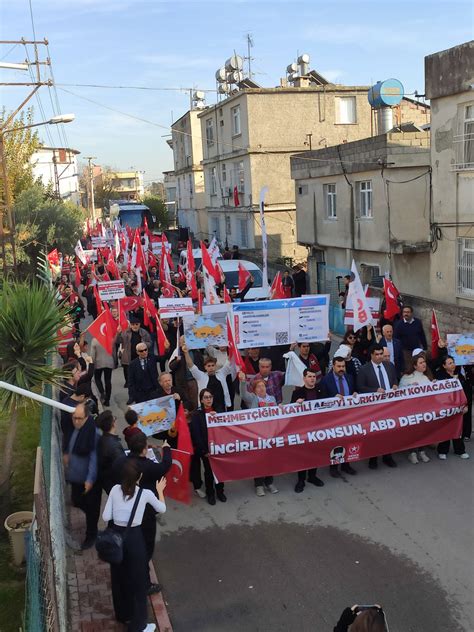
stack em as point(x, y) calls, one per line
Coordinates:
point(409, 330)
point(377, 376)
point(142, 376)
point(309, 391)
point(151, 473)
point(395, 348)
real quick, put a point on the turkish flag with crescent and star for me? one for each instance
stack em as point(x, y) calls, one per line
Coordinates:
point(392, 307)
point(102, 330)
point(177, 477)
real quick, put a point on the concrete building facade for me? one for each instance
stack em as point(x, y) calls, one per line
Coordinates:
point(248, 140)
point(449, 84)
point(368, 200)
point(57, 167)
point(128, 184)
point(170, 190)
point(186, 143)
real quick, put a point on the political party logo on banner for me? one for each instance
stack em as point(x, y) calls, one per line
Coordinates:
point(206, 329)
point(293, 437)
point(155, 415)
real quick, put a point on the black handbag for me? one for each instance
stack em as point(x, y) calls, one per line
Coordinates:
point(109, 543)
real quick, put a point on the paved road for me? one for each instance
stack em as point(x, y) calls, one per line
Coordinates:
point(403, 538)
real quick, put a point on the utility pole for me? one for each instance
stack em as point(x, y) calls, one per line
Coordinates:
point(7, 222)
point(90, 198)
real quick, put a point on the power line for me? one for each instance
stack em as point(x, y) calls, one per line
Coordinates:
point(9, 51)
point(96, 85)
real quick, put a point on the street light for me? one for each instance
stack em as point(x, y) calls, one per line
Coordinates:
point(60, 118)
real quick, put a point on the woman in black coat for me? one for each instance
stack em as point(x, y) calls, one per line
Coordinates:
point(448, 371)
point(198, 429)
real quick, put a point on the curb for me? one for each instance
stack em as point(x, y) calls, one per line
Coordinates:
point(158, 605)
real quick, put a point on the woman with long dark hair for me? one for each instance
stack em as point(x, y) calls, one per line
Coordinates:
point(198, 428)
point(449, 371)
point(130, 578)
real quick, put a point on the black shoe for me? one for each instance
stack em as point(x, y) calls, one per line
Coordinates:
point(334, 472)
point(153, 589)
point(125, 385)
point(107, 403)
point(221, 496)
point(389, 462)
point(211, 499)
point(316, 481)
point(373, 464)
point(129, 401)
point(102, 398)
point(345, 467)
point(299, 487)
point(88, 543)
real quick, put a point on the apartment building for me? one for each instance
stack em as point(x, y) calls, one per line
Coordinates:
point(187, 155)
point(248, 140)
point(127, 184)
point(57, 167)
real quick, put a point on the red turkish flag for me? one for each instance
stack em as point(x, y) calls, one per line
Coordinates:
point(435, 335)
point(53, 257)
point(102, 330)
point(227, 298)
point(182, 428)
point(98, 302)
point(190, 272)
point(122, 319)
point(234, 353)
point(162, 339)
point(177, 478)
point(392, 307)
point(77, 277)
point(112, 267)
point(236, 197)
point(276, 290)
point(165, 251)
point(207, 263)
point(244, 277)
point(130, 303)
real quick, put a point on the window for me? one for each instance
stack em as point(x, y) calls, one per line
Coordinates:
point(465, 266)
point(223, 175)
point(190, 184)
point(238, 176)
point(330, 200)
point(468, 137)
point(236, 121)
point(213, 181)
point(303, 189)
point(209, 132)
point(228, 226)
point(244, 233)
point(364, 199)
point(346, 112)
point(215, 227)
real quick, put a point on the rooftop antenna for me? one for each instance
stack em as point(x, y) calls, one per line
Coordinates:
point(249, 58)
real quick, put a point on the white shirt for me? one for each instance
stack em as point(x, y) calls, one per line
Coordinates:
point(202, 379)
point(119, 510)
point(388, 386)
point(417, 377)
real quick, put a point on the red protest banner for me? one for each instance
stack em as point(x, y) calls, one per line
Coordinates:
point(281, 439)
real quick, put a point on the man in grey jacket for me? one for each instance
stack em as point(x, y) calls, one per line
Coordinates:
point(129, 340)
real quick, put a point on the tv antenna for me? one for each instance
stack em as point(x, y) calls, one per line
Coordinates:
point(249, 58)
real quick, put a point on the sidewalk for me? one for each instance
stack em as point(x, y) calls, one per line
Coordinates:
point(90, 594)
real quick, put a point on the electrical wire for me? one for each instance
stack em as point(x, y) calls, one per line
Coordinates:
point(38, 98)
point(151, 88)
point(9, 51)
point(56, 97)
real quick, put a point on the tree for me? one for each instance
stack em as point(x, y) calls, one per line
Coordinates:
point(44, 224)
point(20, 145)
point(159, 211)
point(29, 321)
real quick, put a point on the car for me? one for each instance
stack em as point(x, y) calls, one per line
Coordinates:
point(230, 268)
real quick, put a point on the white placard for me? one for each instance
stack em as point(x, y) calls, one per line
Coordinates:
point(281, 322)
point(374, 305)
point(111, 290)
point(175, 307)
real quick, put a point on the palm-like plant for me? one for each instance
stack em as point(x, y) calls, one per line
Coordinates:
point(29, 321)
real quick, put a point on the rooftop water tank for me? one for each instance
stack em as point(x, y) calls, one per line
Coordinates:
point(386, 93)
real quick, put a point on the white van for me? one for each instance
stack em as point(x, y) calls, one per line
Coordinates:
point(230, 268)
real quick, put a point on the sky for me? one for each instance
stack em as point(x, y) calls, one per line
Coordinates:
point(173, 44)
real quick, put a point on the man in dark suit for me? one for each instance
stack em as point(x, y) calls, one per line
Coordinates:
point(142, 376)
point(394, 347)
point(338, 383)
point(409, 330)
point(377, 376)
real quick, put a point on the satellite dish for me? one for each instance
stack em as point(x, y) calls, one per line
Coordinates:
point(223, 89)
point(303, 59)
point(293, 76)
point(199, 95)
point(234, 63)
point(237, 76)
point(291, 68)
point(221, 76)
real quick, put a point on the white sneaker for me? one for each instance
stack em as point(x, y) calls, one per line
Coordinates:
point(151, 627)
point(272, 489)
point(465, 455)
point(424, 457)
point(443, 457)
point(413, 458)
point(259, 490)
point(200, 493)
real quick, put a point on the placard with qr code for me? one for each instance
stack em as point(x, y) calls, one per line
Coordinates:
point(281, 322)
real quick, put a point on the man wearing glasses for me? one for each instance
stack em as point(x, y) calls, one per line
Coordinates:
point(143, 376)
